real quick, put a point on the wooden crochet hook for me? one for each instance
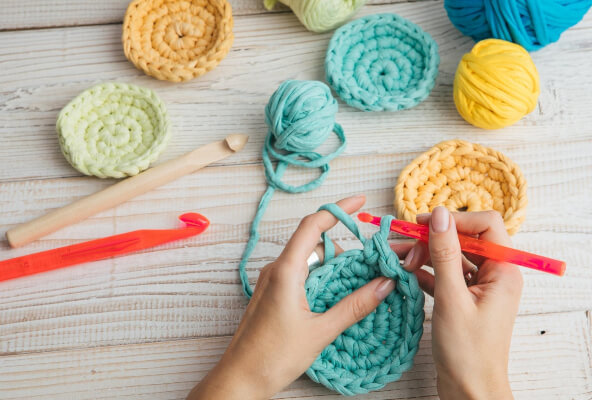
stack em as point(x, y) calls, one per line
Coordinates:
point(125, 190)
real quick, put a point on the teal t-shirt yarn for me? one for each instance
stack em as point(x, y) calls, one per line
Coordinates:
point(382, 62)
point(533, 24)
point(378, 349)
point(113, 130)
point(300, 116)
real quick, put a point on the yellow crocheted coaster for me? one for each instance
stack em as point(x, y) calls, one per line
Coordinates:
point(463, 177)
point(177, 40)
point(113, 130)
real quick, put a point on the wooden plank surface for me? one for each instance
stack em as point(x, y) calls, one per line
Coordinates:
point(191, 288)
point(269, 48)
point(41, 13)
point(149, 325)
point(549, 360)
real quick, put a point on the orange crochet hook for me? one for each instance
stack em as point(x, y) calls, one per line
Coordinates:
point(100, 248)
point(477, 246)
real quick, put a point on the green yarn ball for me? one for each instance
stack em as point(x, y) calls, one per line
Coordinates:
point(113, 130)
point(320, 15)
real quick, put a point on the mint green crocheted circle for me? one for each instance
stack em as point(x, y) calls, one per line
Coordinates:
point(382, 62)
point(113, 130)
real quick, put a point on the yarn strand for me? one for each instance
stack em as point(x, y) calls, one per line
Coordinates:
point(300, 116)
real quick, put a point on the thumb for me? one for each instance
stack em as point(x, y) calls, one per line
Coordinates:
point(356, 306)
point(445, 253)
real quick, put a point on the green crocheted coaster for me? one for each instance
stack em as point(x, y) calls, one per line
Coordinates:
point(113, 130)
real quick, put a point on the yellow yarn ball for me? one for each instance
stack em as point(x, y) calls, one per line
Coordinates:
point(496, 84)
point(320, 15)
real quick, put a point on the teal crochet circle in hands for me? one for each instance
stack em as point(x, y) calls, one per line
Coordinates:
point(378, 349)
point(113, 130)
point(382, 62)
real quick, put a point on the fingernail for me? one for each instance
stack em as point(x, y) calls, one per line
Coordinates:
point(409, 257)
point(440, 219)
point(384, 288)
point(422, 215)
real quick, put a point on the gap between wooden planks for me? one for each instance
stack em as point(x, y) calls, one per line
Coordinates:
point(44, 69)
point(550, 359)
point(191, 288)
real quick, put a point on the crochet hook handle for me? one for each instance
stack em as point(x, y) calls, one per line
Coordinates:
point(125, 190)
point(99, 249)
point(479, 247)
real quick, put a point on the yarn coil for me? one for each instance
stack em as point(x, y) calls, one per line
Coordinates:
point(177, 40)
point(320, 15)
point(496, 84)
point(382, 62)
point(533, 24)
point(300, 115)
point(462, 176)
point(113, 130)
point(378, 349)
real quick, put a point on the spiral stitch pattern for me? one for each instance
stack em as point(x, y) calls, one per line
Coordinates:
point(300, 115)
point(378, 349)
point(177, 40)
point(382, 62)
point(462, 176)
point(113, 130)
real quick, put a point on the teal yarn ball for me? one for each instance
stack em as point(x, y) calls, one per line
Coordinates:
point(533, 24)
point(382, 62)
point(378, 349)
point(300, 115)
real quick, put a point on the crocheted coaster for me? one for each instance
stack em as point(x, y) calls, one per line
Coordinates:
point(177, 40)
point(382, 62)
point(113, 130)
point(378, 349)
point(463, 177)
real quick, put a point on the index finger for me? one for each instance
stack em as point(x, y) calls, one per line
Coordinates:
point(489, 225)
point(306, 237)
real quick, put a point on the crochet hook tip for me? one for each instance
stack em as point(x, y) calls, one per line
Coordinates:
point(236, 142)
point(365, 217)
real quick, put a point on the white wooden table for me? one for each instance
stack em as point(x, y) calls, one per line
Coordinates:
point(150, 325)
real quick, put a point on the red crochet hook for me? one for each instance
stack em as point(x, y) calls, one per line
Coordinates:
point(100, 248)
point(477, 246)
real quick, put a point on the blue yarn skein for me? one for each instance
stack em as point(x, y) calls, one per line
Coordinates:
point(300, 116)
point(378, 349)
point(533, 24)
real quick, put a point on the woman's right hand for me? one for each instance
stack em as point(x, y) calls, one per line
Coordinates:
point(472, 320)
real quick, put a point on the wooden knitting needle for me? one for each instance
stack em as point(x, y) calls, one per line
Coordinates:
point(125, 190)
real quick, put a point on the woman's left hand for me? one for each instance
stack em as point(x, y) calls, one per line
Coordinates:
point(279, 337)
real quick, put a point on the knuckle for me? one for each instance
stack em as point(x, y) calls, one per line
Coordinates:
point(495, 217)
point(308, 222)
point(358, 308)
point(445, 254)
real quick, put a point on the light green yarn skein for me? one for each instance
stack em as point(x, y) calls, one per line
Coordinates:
point(320, 15)
point(113, 130)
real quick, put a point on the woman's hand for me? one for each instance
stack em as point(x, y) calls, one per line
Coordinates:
point(279, 337)
point(473, 312)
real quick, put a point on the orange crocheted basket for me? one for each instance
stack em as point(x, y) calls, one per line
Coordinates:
point(177, 40)
point(462, 176)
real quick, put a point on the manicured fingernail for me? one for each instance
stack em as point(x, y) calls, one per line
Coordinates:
point(422, 215)
point(409, 257)
point(384, 288)
point(440, 219)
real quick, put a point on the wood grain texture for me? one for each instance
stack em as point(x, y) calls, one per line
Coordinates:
point(269, 48)
point(192, 289)
point(41, 14)
point(149, 325)
point(549, 360)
